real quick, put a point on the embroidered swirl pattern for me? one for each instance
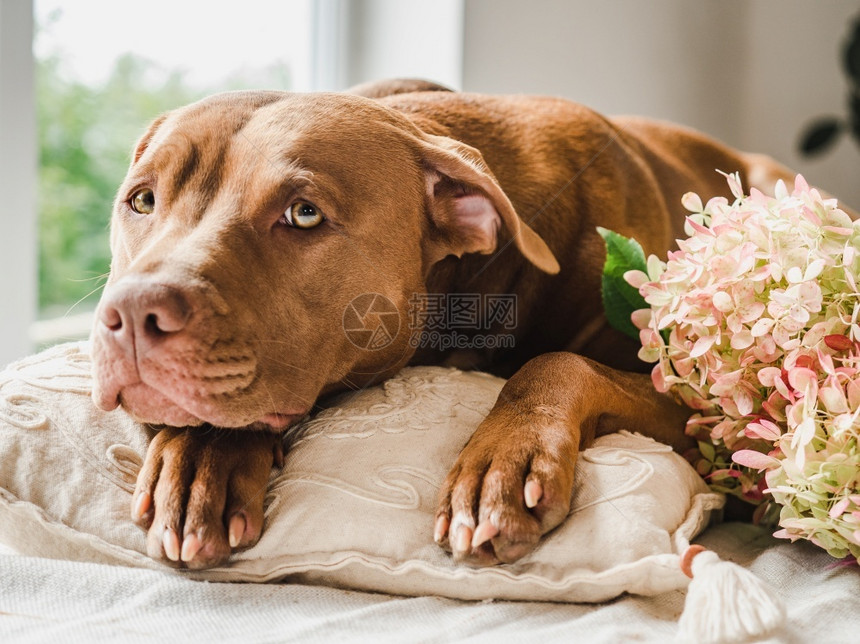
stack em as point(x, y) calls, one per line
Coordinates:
point(387, 486)
point(403, 396)
point(412, 403)
point(64, 369)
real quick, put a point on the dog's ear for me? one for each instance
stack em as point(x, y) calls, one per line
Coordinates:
point(146, 139)
point(467, 206)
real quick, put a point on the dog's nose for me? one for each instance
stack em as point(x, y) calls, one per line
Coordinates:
point(142, 315)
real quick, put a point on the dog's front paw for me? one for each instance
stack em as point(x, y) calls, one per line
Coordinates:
point(200, 493)
point(510, 485)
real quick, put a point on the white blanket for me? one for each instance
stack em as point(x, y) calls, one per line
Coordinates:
point(57, 601)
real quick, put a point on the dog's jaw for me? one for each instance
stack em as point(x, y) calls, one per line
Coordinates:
point(161, 389)
point(147, 405)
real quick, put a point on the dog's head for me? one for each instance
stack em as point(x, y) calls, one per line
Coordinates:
point(265, 249)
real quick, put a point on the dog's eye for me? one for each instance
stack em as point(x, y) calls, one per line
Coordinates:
point(143, 201)
point(302, 215)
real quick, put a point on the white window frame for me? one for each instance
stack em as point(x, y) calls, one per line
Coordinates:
point(18, 168)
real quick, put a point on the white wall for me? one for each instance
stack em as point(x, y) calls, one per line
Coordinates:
point(792, 77)
point(750, 73)
point(17, 180)
point(365, 40)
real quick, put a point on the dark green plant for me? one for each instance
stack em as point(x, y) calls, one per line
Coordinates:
point(822, 134)
point(619, 298)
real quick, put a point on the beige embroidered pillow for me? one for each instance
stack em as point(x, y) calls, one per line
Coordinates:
point(353, 507)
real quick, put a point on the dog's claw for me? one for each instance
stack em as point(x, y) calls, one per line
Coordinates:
point(483, 533)
point(141, 505)
point(441, 529)
point(532, 493)
point(236, 530)
point(462, 542)
point(190, 547)
point(170, 541)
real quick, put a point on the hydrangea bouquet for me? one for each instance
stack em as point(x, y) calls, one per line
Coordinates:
point(755, 324)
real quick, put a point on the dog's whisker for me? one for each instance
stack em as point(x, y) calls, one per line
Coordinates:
point(290, 365)
point(353, 386)
point(81, 280)
point(73, 306)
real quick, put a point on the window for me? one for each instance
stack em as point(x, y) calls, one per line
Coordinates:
point(105, 69)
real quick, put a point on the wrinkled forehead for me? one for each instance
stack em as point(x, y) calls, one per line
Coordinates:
point(272, 133)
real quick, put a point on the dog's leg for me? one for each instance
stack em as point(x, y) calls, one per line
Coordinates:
point(200, 492)
point(513, 480)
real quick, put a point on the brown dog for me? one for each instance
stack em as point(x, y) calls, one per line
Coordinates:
point(248, 224)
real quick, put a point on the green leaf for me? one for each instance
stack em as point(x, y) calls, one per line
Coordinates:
point(820, 136)
point(619, 298)
point(851, 54)
point(707, 450)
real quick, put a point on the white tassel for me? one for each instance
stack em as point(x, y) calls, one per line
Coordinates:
point(725, 602)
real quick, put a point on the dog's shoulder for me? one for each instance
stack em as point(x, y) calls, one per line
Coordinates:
point(395, 86)
point(494, 118)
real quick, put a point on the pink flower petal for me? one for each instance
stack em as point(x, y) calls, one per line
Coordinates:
point(794, 275)
point(838, 342)
point(763, 429)
point(641, 318)
point(734, 182)
point(800, 378)
point(826, 363)
point(658, 379)
point(636, 278)
point(800, 185)
point(702, 345)
point(742, 340)
point(755, 460)
point(853, 391)
point(744, 401)
point(762, 326)
point(692, 202)
point(758, 196)
point(768, 375)
point(838, 230)
point(838, 508)
point(722, 301)
point(834, 400)
point(699, 228)
point(803, 435)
